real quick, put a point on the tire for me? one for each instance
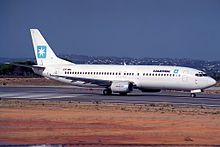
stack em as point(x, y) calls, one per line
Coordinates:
point(107, 92)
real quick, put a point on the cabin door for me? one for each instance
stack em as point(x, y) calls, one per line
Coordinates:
point(185, 76)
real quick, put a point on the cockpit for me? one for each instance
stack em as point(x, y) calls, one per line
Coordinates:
point(201, 74)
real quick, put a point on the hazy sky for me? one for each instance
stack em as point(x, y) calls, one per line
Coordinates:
point(133, 28)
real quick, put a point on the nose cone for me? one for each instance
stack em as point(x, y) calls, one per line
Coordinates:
point(211, 81)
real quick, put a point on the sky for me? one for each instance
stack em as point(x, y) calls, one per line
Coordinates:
point(122, 28)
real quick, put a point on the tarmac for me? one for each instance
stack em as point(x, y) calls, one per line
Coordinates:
point(70, 93)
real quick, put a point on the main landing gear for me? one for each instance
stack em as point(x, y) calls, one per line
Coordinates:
point(107, 91)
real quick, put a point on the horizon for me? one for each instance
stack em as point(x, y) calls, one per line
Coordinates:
point(62, 55)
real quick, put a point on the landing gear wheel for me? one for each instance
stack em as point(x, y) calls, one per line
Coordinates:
point(193, 95)
point(107, 92)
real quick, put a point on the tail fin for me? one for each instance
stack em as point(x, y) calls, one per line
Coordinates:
point(43, 53)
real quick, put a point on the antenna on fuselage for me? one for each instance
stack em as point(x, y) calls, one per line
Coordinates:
point(125, 63)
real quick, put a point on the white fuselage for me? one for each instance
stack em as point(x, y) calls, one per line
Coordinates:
point(116, 78)
point(148, 77)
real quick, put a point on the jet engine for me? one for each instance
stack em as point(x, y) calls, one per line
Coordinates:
point(121, 86)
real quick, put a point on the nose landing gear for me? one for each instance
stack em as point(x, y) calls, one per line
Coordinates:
point(193, 95)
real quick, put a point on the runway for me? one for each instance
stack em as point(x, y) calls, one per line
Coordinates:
point(95, 95)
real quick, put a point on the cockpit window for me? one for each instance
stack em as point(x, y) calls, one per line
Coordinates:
point(198, 75)
point(201, 75)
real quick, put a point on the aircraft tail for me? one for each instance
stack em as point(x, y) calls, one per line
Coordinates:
point(43, 53)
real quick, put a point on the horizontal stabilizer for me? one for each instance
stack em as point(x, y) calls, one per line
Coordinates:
point(28, 66)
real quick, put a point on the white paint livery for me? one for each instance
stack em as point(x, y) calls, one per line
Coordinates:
point(117, 78)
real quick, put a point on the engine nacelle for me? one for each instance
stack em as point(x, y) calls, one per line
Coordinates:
point(121, 87)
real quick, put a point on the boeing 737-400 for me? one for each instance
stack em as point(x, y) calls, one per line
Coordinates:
point(120, 79)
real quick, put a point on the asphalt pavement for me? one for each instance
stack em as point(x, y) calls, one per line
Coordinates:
point(93, 95)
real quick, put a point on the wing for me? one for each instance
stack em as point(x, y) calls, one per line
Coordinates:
point(102, 83)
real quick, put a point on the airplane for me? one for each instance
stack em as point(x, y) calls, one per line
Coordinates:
point(121, 79)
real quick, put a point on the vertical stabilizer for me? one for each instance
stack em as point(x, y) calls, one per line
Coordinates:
point(43, 53)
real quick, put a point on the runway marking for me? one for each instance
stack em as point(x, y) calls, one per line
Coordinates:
point(38, 96)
